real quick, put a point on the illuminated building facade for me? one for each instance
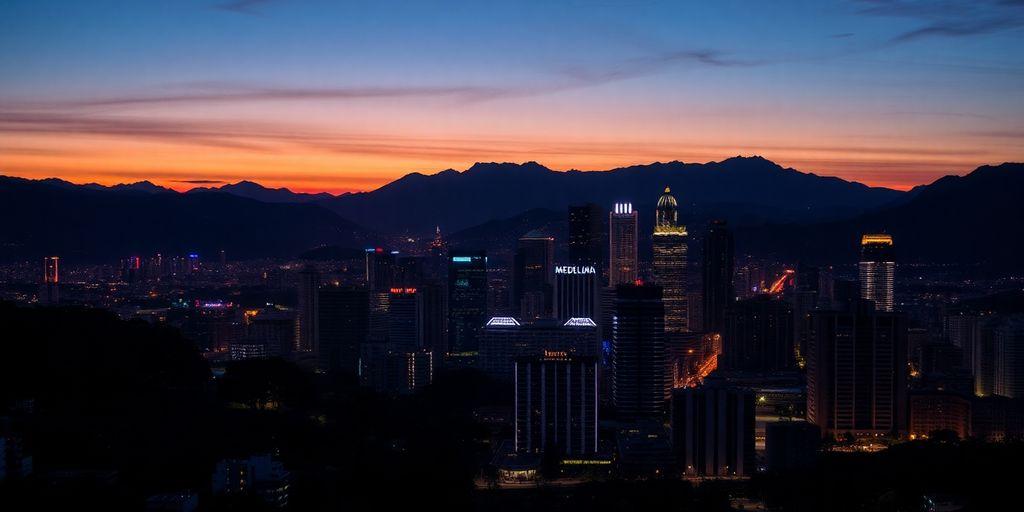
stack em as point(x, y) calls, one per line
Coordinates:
point(342, 327)
point(576, 292)
point(713, 430)
point(533, 276)
point(49, 291)
point(467, 300)
point(1008, 357)
point(877, 270)
point(585, 229)
point(856, 371)
point(622, 245)
point(504, 339)
point(308, 290)
point(556, 404)
point(640, 383)
point(260, 476)
point(669, 265)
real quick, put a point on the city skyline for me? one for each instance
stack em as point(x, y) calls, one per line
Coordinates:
point(337, 97)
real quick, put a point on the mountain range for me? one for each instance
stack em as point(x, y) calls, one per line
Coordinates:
point(776, 211)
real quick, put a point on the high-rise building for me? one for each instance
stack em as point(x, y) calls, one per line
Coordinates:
point(932, 411)
point(533, 275)
point(713, 430)
point(640, 385)
point(758, 335)
point(308, 288)
point(585, 229)
point(467, 300)
point(49, 291)
point(877, 270)
point(556, 404)
point(717, 272)
point(273, 328)
point(577, 292)
point(1008, 357)
point(504, 339)
point(342, 327)
point(857, 371)
point(380, 269)
point(622, 245)
point(669, 265)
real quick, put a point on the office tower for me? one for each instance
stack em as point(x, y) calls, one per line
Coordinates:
point(395, 371)
point(622, 245)
point(669, 265)
point(533, 275)
point(49, 291)
point(877, 270)
point(467, 300)
point(932, 411)
point(856, 371)
point(758, 335)
point(1008, 357)
point(556, 404)
point(505, 338)
point(272, 328)
point(807, 282)
point(640, 385)
point(585, 229)
point(380, 269)
point(577, 292)
point(403, 319)
point(308, 289)
point(791, 445)
point(342, 327)
point(717, 271)
point(713, 430)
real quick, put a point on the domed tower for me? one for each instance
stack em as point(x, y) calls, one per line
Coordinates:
point(667, 211)
point(669, 264)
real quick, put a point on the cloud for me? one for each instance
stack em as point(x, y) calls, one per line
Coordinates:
point(243, 6)
point(200, 182)
point(948, 18)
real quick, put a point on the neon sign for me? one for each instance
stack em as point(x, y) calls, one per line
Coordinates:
point(569, 269)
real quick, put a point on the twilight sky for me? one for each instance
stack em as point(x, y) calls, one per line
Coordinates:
point(338, 96)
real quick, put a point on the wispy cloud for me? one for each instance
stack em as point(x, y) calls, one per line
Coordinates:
point(948, 18)
point(200, 182)
point(243, 6)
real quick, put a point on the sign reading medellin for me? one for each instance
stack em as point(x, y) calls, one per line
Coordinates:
point(570, 269)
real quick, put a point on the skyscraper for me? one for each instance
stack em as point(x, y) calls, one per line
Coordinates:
point(585, 248)
point(533, 275)
point(758, 335)
point(640, 385)
point(622, 245)
point(856, 371)
point(342, 327)
point(467, 300)
point(713, 429)
point(380, 269)
point(669, 272)
point(576, 292)
point(718, 270)
point(49, 291)
point(504, 339)
point(556, 404)
point(877, 270)
point(308, 288)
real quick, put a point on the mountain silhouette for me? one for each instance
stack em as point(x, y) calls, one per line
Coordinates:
point(755, 188)
point(80, 222)
point(252, 190)
point(977, 219)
